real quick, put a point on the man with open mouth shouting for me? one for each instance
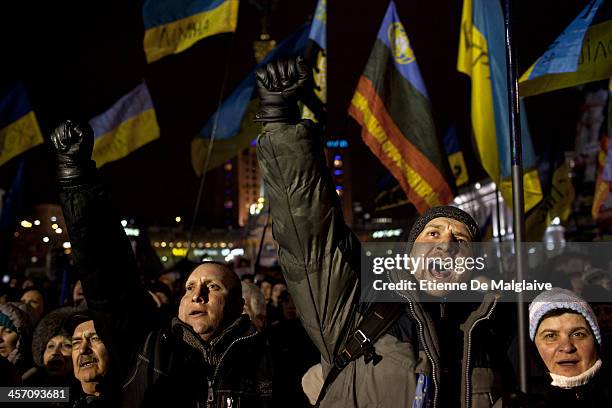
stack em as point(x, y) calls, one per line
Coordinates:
point(415, 353)
point(442, 236)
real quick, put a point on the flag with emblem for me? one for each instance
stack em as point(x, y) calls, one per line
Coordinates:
point(392, 106)
point(482, 56)
point(128, 125)
point(19, 129)
point(455, 156)
point(581, 54)
point(173, 26)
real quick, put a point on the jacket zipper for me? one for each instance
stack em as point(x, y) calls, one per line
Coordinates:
point(211, 383)
point(468, 385)
point(427, 352)
point(211, 397)
point(433, 365)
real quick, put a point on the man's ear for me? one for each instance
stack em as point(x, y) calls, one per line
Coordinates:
point(235, 307)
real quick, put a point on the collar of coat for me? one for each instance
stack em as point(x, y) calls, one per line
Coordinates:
point(213, 350)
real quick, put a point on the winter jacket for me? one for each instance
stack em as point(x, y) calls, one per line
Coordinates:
point(153, 366)
point(320, 258)
point(596, 393)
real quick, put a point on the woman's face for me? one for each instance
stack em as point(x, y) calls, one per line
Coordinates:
point(34, 299)
point(57, 356)
point(8, 341)
point(566, 344)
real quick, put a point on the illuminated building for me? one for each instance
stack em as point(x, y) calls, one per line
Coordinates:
point(249, 183)
point(338, 161)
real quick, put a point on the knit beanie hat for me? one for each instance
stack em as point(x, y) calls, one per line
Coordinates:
point(447, 212)
point(6, 322)
point(558, 298)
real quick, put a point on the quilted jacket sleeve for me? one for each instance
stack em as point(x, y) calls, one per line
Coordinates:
point(318, 253)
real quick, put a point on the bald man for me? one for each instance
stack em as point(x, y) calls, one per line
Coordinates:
point(209, 355)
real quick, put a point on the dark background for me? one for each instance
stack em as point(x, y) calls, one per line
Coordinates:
point(78, 57)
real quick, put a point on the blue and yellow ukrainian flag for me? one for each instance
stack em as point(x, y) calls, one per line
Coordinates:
point(604, 158)
point(316, 55)
point(582, 53)
point(233, 124)
point(482, 56)
point(318, 28)
point(129, 124)
point(172, 26)
point(19, 129)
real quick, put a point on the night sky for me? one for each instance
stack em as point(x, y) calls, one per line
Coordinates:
point(78, 57)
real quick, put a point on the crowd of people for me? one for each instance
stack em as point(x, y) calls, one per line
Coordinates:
point(46, 344)
point(217, 338)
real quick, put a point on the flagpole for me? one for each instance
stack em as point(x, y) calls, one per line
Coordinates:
point(196, 209)
point(497, 215)
point(263, 237)
point(518, 208)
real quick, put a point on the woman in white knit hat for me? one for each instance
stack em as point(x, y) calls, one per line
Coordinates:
point(564, 330)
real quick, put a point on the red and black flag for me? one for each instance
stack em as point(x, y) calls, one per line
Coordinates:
point(393, 109)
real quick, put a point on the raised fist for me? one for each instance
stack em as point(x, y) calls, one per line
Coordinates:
point(72, 145)
point(280, 85)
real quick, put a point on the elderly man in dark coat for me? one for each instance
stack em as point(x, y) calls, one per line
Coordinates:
point(209, 356)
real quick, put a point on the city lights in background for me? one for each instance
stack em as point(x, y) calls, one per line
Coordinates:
point(177, 219)
point(54, 226)
point(45, 239)
point(66, 245)
point(131, 232)
point(26, 224)
point(233, 253)
point(255, 209)
point(124, 223)
point(387, 233)
point(37, 222)
point(58, 231)
point(338, 172)
point(337, 144)
point(179, 252)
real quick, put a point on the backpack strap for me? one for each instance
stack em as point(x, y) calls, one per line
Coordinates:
point(377, 320)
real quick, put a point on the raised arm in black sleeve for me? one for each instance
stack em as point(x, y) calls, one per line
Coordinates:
point(122, 308)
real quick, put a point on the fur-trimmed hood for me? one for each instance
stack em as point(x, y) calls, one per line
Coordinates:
point(21, 320)
point(50, 326)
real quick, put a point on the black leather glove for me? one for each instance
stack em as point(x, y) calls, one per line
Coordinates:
point(73, 145)
point(280, 85)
